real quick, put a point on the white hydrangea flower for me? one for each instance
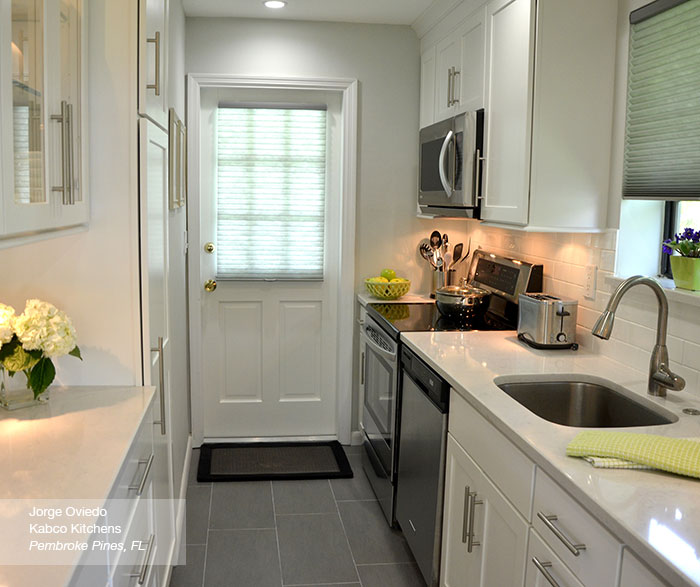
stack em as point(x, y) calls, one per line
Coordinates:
point(7, 316)
point(43, 326)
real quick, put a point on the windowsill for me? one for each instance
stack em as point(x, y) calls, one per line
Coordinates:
point(674, 294)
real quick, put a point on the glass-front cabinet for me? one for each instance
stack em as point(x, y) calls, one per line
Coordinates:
point(42, 122)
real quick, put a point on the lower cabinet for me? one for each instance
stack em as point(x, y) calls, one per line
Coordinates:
point(484, 537)
point(545, 568)
point(144, 520)
point(636, 574)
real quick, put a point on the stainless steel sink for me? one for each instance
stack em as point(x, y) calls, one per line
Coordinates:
point(586, 404)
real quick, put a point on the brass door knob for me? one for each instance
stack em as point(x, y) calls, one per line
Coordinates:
point(209, 248)
point(210, 285)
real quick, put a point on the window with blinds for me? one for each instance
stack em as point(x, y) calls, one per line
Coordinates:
point(662, 131)
point(271, 193)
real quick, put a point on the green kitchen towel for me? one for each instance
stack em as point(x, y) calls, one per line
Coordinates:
point(633, 451)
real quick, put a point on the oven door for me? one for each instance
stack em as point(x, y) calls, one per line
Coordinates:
point(381, 379)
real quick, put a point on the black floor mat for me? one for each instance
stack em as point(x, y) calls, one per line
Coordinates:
point(272, 460)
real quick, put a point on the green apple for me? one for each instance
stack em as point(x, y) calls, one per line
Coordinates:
point(378, 280)
point(388, 274)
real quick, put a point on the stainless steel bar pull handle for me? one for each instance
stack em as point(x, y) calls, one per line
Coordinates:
point(478, 161)
point(140, 486)
point(161, 384)
point(62, 119)
point(455, 73)
point(143, 572)
point(449, 87)
point(465, 516)
point(575, 549)
point(473, 502)
point(69, 155)
point(543, 567)
point(156, 41)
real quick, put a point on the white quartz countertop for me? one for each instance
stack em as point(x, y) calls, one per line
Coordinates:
point(69, 448)
point(656, 514)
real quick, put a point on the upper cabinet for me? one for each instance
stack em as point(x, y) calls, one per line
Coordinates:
point(43, 114)
point(153, 68)
point(452, 72)
point(543, 70)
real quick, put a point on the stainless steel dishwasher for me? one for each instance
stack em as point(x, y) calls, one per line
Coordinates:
point(421, 465)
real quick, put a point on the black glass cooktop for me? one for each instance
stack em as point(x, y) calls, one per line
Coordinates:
point(417, 317)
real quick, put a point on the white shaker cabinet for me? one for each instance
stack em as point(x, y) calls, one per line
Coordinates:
point(484, 537)
point(548, 120)
point(43, 113)
point(636, 574)
point(452, 72)
point(152, 65)
point(153, 195)
point(545, 568)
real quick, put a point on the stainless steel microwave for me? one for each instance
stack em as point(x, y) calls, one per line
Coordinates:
point(450, 163)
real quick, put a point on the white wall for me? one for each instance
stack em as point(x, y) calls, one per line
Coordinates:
point(385, 60)
point(93, 275)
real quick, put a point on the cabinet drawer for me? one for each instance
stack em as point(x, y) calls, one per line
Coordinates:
point(509, 469)
point(135, 559)
point(135, 473)
point(569, 529)
point(636, 574)
point(540, 560)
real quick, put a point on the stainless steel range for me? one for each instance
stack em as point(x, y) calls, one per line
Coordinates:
point(385, 381)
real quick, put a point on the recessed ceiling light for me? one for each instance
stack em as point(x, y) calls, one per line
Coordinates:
point(275, 3)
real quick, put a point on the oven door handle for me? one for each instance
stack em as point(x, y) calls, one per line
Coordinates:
point(379, 350)
point(444, 180)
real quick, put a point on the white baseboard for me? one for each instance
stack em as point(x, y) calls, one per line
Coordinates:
point(356, 438)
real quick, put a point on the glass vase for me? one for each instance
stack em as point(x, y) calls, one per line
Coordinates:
point(15, 394)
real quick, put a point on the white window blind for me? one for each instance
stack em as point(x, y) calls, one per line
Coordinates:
point(662, 131)
point(271, 193)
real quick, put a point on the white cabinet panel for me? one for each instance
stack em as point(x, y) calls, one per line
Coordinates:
point(43, 110)
point(566, 525)
point(427, 87)
point(152, 66)
point(470, 84)
point(543, 564)
point(484, 537)
point(447, 57)
point(636, 574)
point(508, 104)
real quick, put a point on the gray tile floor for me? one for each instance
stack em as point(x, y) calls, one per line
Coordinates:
point(300, 533)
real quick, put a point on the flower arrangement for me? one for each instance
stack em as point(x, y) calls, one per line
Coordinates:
point(30, 341)
point(686, 243)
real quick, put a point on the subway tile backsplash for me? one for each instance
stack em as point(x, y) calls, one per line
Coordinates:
point(565, 256)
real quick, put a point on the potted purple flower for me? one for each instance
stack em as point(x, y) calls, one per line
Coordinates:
point(686, 264)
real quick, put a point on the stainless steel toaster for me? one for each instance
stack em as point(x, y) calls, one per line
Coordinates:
point(546, 321)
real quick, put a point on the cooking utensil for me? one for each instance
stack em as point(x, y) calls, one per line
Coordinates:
point(462, 301)
point(456, 254)
point(427, 253)
point(435, 244)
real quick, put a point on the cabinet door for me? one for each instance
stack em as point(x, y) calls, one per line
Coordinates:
point(543, 565)
point(474, 507)
point(447, 56)
point(27, 200)
point(470, 81)
point(427, 87)
point(153, 27)
point(153, 193)
point(41, 115)
point(636, 574)
point(69, 100)
point(509, 42)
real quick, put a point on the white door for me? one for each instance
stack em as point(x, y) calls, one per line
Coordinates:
point(153, 179)
point(268, 343)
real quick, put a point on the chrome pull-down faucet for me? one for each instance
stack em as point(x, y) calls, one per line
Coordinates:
point(661, 377)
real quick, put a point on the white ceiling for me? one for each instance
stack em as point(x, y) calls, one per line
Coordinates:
point(367, 11)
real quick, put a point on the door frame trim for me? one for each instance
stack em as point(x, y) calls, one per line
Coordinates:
point(348, 89)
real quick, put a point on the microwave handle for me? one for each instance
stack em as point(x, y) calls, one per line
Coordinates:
point(446, 184)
